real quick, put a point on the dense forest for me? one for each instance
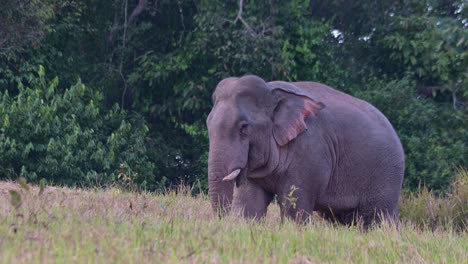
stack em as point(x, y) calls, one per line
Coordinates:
point(97, 92)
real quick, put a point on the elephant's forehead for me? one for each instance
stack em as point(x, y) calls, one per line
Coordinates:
point(226, 111)
point(249, 89)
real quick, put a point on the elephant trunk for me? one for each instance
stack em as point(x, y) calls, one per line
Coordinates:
point(223, 168)
point(220, 191)
point(227, 162)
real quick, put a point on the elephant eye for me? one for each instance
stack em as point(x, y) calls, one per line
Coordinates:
point(244, 129)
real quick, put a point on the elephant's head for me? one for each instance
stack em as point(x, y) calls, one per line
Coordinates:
point(249, 122)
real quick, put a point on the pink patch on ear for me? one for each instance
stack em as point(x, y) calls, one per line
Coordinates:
point(285, 134)
point(312, 107)
point(290, 118)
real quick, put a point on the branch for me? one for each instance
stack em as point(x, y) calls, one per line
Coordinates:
point(114, 28)
point(431, 91)
point(141, 6)
point(2, 42)
point(124, 39)
point(241, 19)
point(137, 11)
point(181, 14)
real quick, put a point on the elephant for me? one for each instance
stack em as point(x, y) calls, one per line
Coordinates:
point(312, 147)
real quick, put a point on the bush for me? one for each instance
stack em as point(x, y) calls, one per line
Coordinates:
point(434, 135)
point(67, 137)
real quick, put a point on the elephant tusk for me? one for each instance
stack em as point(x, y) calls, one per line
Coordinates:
point(232, 176)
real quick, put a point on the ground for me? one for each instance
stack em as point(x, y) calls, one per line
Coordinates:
point(114, 226)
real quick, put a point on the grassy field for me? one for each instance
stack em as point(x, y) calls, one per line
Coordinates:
point(111, 226)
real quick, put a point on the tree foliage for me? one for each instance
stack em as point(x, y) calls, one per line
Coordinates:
point(156, 62)
point(433, 50)
point(24, 22)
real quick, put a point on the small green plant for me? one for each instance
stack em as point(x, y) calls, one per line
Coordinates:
point(290, 201)
point(290, 198)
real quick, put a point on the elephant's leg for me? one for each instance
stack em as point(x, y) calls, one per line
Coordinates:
point(377, 211)
point(346, 217)
point(300, 191)
point(250, 200)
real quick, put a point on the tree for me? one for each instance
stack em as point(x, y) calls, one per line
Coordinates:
point(24, 22)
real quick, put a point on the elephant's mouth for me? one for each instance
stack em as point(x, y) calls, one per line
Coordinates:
point(233, 175)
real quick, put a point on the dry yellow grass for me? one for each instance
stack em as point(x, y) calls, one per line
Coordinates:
point(110, 226)
point(449, 211)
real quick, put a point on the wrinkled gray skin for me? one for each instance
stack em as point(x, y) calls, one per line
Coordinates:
point(339, 153)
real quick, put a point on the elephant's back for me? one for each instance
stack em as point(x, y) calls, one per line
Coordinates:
point(345, 110)
point(333, 98)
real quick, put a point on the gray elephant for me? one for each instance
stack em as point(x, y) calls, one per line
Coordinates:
point(314, 147)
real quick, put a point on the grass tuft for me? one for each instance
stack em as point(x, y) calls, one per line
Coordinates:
point(448, 211)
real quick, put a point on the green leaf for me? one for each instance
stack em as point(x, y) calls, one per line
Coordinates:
point(6, 122)
point(41, 71)
point(461, 41)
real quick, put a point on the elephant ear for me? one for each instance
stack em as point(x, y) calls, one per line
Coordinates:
point(293, 107)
